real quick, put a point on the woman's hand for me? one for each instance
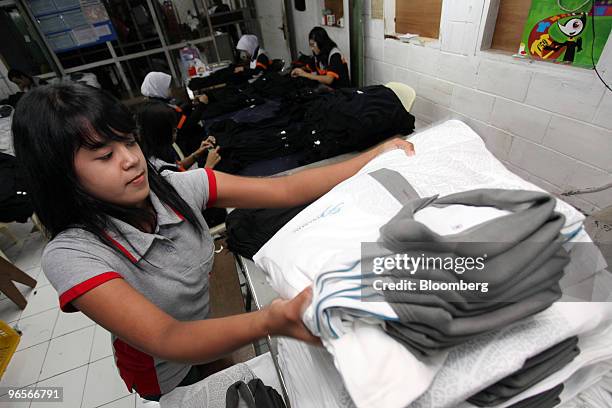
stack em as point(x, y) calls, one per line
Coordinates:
point(208, 143)
point(284, 317)
point(238, 69)
point(298, 72)
point(213, 158)
point(202, 99)
point(396, 143)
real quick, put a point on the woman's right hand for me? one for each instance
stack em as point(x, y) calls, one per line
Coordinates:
point(213, 158)
point(298, 72)
point(208, 143)
point(284, 317)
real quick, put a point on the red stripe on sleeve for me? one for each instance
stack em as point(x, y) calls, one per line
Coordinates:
point(82, 288)
point(212, 187)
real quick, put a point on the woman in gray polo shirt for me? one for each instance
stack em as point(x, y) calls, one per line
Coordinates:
point(129, 246)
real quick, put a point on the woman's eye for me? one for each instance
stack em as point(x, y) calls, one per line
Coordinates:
point(106, 156)
point(131, 143)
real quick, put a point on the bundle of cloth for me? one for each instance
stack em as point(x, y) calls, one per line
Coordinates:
point(429, 348)
point(329, 125)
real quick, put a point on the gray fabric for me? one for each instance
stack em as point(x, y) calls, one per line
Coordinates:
point(533, 371)
point(524, 265)
point(395, 184)
point(210, 392)
point(547, 399)
point(169, 267)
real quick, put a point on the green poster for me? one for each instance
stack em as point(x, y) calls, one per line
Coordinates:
point(562, 31)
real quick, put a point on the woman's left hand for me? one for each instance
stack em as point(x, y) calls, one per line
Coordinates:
point(298, 72)
point(396, 143)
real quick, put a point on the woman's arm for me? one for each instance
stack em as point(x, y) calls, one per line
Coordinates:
point(188, 161)
point(324, 79)
point(298, 188)
point(122, 310)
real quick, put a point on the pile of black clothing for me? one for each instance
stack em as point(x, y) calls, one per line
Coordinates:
point(15, 204)
point(328, 125)
point(219, 77)
point(249, 229)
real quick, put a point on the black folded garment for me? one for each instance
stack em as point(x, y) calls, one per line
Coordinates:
point(547, 399)
point(533, 371)
point(249, 229)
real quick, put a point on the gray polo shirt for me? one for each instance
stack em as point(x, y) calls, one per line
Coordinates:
point(169, 267)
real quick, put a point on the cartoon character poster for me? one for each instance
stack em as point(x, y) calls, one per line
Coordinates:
point(562, 31)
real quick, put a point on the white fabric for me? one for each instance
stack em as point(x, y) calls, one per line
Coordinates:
point(310, 376)
point(599, 395)
point(156, 85)
point(326, 236)
point(6, 136)
point(248, 43)
point(594, 361)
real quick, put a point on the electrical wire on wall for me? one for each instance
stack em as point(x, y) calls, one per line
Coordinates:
point(593, 47)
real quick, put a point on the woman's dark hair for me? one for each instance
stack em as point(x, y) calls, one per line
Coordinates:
point(49, 125)
point(156, 126)
point(325, 44)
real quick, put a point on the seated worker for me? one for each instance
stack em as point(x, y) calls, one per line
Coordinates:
point(156, 123)
point(330, 66)
point(256, 56)
point(156, 86)
point(23, 80)
point(129, 247)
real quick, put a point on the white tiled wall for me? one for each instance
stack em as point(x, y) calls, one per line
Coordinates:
point(550, 124)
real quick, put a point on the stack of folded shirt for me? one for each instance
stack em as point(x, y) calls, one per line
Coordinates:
point(522, 271)
point(322, 246)
point(533, 371)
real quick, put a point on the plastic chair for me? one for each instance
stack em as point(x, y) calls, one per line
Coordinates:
point(178, 151)
point(9, 339)
point(405, 93)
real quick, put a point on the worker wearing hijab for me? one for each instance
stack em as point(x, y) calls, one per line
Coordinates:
point(249, 47)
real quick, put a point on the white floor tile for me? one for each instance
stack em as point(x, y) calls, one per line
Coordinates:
point(69, 322)
point(24, 367)
point(68, 352)
point(31, 253)
point(102, 346)
point(40, 300)
point(73, 383)
point(42, 280)
point(103, 384)
point(127, 402)
point(9, 312)
point(37, 329)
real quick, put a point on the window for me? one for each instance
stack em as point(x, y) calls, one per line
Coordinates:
point(333, 12)
point(418, 17)
point(510, 23)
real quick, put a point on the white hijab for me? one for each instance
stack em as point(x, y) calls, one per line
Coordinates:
point(156, 85)
point(248, 43)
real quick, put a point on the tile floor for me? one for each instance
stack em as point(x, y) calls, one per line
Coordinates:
point(57, 349)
